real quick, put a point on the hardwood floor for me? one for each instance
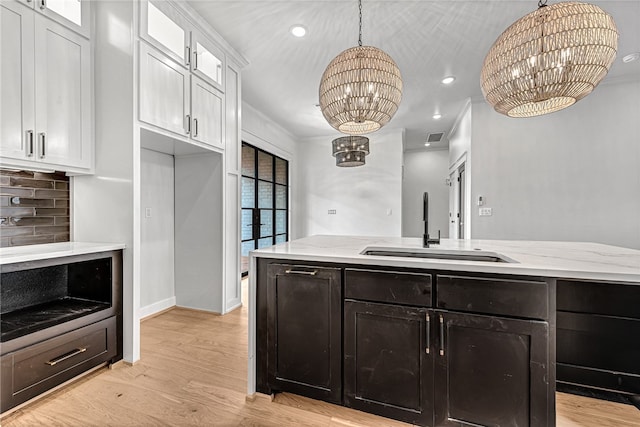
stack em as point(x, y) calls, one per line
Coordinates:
point(193, 372)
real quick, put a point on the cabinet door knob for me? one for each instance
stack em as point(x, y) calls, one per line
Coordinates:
point(307, 273)
point(195, 127)
point(187, 127)
point(43, 4)
point(441, 335)
point(29, 143)
point(43, 143)
point(428, 333)
point(66, 356)
point(187, 55)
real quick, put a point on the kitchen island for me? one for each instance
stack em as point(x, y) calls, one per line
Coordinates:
point(463, 333)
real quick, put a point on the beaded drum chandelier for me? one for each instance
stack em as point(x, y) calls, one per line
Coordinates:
point(361, 89)
point(350, 151)
point(549, 59)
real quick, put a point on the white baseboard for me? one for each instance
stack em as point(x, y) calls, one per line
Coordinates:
point(156, 307)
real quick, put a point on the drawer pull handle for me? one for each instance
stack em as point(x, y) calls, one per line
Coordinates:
point(441, 335)
point(308, 273)
point(428, 326)
point(66, 356)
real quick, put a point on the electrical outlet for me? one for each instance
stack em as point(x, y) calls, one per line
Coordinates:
point(485, 211)
point(147, 212)
point(331, 211)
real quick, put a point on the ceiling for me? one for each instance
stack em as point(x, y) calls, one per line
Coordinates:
point(428, 40)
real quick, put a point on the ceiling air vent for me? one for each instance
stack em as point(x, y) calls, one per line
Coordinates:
point(434, 137)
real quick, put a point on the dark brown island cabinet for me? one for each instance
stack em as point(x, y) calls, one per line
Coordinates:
point(59, 317)
point(599, 339)
point(425, 347)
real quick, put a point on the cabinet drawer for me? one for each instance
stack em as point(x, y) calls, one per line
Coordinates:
point(507, 297)
point(613, 299)
point(35, 369)
point(388, 286)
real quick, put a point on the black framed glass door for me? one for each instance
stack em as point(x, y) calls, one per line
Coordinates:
point(264, 202)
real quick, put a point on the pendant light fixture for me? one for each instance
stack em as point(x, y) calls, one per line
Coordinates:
point(361, 89)
point(351, 150)
point(549, 59)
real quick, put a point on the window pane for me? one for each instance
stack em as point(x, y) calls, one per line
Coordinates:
point(248, 246)
point(265, 166)
point(248, 161)
point(265, 195)
point(247, 224)
point(265, 243)
point(70, 9)
point(281, 197)
point(209, 64)
point(166, 31)
point(266, 222)
point(281, 222)
point(281, 238)
point(281, 171)
point(248, 192)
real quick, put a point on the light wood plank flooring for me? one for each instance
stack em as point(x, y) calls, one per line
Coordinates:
point(193, 372)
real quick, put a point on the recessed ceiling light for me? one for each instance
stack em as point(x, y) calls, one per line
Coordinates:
point(298, 30)
point(448, 80)
point(437, 116)
point(631, 57)
point(427, 144)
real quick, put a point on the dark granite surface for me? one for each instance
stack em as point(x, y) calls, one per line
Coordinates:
point(34, 318)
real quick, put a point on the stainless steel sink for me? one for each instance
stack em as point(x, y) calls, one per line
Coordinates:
point(445, 254)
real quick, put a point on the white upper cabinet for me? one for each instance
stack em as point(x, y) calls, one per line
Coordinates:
point(163, 27)
point(46, 118)
point(207, 60)
point(17, 111)
point(207, 125)
point(164, 92)
point(63, 95)
point(75, 14)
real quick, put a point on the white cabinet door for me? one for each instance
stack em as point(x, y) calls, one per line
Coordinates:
point(63, 95)
point(16, 81)
point(207, 113)
point(164, 92)
point(207, 60)
point(163, 27)
point(74, 14)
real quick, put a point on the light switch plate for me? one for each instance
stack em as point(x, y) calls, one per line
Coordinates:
point(331, 211)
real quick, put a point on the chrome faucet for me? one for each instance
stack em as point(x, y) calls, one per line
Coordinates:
point(426, 241)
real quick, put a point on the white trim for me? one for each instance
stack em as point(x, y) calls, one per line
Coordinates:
point(156, 307)
point(459, 118)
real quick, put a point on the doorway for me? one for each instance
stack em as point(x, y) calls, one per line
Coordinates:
point(264, 201)
point(458, 200)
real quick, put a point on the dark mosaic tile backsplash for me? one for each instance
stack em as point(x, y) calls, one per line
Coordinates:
point(34, 208)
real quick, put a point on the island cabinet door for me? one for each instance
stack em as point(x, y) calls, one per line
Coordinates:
point(491, 371)
point(388, 366)
point(304, 331)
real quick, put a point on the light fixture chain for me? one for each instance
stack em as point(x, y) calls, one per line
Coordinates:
point(360, 32)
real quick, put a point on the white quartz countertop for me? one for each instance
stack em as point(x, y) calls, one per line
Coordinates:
point(578, 260)
point(53, 250)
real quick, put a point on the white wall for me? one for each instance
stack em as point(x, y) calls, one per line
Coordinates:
point(102, 205)
point(425, 171)
point(262, 132)
point(573, 175)
point(199, 231)
point(367, 199)
point(157, 285)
